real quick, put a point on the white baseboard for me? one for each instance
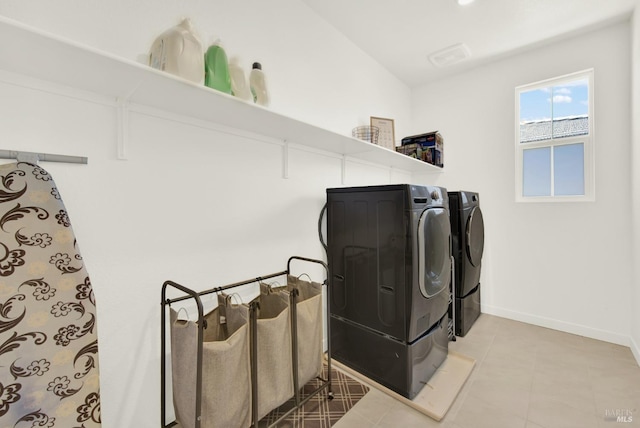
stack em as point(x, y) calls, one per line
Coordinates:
point(578, 329)
point(581, 330)
point(635, 349)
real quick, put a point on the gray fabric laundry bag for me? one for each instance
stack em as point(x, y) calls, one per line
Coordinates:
point(226, 370)
point(309, 326)
point(274, 358)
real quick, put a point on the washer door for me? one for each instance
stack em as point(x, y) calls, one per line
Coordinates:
point(434, 251)
point(475, 236)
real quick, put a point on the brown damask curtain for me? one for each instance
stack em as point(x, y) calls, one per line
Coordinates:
point(48, 341)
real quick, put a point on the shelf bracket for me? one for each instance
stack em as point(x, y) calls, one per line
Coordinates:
point(343, 169)
point(122, 107)
point(285, 159)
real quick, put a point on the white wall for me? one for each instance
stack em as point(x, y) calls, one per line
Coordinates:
point(635, 184)
point(193, 204)
point(562, 265)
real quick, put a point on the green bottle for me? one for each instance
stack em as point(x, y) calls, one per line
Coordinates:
point(216, 69)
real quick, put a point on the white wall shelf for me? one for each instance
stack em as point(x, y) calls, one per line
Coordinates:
point(31, 52)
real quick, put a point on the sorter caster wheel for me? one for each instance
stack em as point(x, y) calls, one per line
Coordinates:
point(330, 395)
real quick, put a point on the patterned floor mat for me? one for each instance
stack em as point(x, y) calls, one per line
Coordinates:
point(319, 412)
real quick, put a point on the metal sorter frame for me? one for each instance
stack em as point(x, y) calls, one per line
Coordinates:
point(191, 294)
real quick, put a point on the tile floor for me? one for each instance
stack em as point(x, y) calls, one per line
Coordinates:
point(525, 377)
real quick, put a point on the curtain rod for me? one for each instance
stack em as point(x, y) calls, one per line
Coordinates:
point(34, 158)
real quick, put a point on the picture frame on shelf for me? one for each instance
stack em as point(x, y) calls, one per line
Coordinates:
point(386, 136)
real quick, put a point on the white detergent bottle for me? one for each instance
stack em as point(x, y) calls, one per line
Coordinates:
point(239, 84)
point(178, 51)
point(258, 85)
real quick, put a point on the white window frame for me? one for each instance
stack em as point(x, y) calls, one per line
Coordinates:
point(587, 140)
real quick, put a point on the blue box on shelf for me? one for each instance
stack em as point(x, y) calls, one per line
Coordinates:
point(425, 147)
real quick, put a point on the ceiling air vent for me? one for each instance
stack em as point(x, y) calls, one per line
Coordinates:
point(449, 56)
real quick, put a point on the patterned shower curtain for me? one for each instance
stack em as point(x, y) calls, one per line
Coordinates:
point(48, 340)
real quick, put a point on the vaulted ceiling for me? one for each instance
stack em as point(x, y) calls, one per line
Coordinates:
point(402, 34)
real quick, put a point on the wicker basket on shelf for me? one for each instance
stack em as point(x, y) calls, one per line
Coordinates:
point(366, 133)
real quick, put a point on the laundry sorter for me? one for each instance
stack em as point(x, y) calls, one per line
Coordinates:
point(240, 361)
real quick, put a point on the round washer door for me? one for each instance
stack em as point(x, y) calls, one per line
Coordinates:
point(475, 236)
point(434, 251)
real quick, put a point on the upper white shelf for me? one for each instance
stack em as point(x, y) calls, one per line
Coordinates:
point(31, 52)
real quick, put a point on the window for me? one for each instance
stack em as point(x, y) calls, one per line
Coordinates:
point(554, 139)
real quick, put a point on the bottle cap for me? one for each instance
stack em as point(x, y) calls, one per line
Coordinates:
point(186, 23)
point(257, 65)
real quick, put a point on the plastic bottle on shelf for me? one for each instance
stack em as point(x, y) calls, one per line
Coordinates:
point(178, 51)
point(258, 85)
point(239, 85)
point(216, 68)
